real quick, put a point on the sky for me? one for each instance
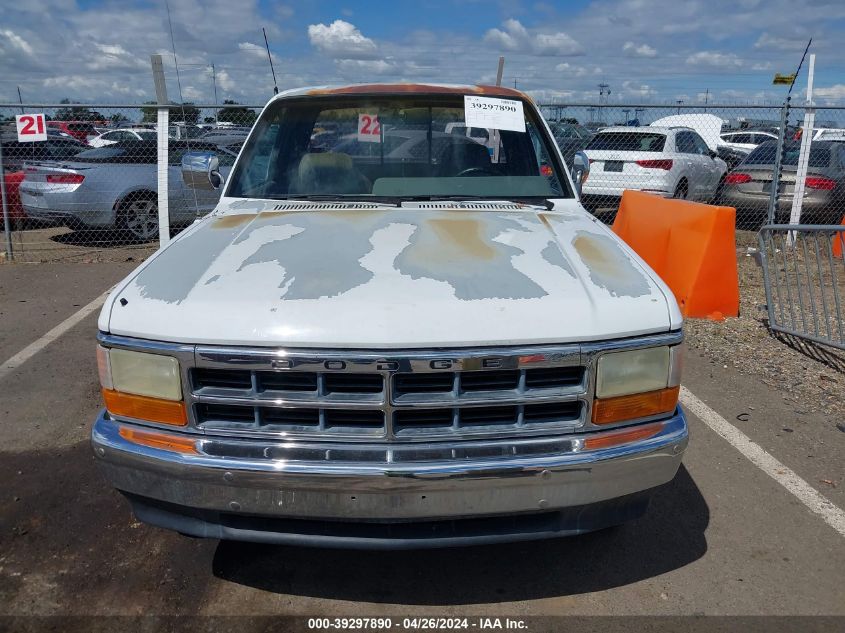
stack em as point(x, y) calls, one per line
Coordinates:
point(647, 51)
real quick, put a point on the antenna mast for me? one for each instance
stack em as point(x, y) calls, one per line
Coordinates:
point(270, 57)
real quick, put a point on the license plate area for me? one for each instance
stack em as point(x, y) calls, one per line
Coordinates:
point(613, 165)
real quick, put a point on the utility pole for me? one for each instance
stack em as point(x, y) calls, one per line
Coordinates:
point(20, 99)
point(680, 102)
point(214, 81)
point(706, 98)
point(604, 93)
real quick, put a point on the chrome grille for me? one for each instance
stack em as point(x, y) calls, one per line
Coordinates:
point(413, 395)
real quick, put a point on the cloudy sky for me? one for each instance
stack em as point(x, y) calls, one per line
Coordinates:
point(646, 50)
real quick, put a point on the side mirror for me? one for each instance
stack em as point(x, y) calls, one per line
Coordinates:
point(580, 170)
point(200, 170)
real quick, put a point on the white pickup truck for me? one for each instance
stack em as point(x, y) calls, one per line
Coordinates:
point(414, 344)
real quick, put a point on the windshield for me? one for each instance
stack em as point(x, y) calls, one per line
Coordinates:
point(396, 147)
point(765, 154)
point(147, 136)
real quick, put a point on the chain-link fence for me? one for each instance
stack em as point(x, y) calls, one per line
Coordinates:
point(90, 191)
point(715, 154)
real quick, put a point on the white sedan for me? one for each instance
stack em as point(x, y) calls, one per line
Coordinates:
point(670, 162)
point(124, 134)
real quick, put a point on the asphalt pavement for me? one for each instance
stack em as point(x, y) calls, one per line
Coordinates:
point(723, 538)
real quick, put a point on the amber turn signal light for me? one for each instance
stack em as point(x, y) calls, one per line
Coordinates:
point(637, 405)
point(163, 441)
point(145, 408)
point(606, 440)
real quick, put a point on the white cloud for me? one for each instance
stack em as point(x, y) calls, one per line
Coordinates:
point(766, 41)
point(556, 44)
point(715, 59)
point(17, 41)
point(837, 92)
point(341, 40)
point(643, 50)
point(515, 37)
point(114, 56)
point(252, 49)
point(361, 68)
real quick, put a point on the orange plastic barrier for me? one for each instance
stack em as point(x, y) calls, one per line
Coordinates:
point(691, 246)
point(837, 241)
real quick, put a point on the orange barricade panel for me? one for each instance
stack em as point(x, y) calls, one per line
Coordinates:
point(691, 246)
point(838, 238)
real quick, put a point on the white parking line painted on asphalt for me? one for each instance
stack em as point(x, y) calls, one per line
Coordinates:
point(33, 348)
point(804, 492)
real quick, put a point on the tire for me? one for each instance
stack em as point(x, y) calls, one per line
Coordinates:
point(137, 217)
point(682, 190)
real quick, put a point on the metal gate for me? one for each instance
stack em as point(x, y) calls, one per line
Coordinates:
point(804, 278)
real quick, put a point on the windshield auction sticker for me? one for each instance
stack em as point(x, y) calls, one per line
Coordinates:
point(495, 114)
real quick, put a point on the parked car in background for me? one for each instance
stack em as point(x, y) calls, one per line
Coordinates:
point(180, 132)
point(748, 187)
point(116, 186)
point(670, 162)
point(124, 134)
point(12, 181)
point(80, 130)
point(746, 139)
point(16, 154)
point(226, 135)
point(708, 127)
point(570, 138)
point(829, 134)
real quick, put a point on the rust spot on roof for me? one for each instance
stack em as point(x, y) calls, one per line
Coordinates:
point(232, 221)
point(463, 234)
point(408, 88)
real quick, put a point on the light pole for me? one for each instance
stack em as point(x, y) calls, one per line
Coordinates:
point(680, 102)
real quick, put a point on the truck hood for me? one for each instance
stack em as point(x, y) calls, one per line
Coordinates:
point(392, 278)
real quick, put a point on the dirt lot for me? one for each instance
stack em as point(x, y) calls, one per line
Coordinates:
point(722, 539)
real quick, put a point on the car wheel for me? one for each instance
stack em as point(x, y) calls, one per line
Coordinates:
point(681, 191)
point(138, 217)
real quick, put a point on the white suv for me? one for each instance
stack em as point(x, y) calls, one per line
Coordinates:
point(672, 162)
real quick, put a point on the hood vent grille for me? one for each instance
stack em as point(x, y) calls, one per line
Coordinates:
point(323, 206)
point(468, 205)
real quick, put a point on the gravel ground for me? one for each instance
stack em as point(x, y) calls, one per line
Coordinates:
point(809, 375)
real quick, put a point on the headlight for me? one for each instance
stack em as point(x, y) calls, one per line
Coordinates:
point(634, 371)
point(141, 386)
point(637, 383)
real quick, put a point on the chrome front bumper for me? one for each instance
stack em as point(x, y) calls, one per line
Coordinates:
point(235, 488)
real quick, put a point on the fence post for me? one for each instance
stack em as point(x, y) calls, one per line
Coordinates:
point(162, 126)
point(7, 230)
point(804, 155)
point(775, 194)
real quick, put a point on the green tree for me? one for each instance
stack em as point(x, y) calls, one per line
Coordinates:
point(238, 116)
point(77, 113)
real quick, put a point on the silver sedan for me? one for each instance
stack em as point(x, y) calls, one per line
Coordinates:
point(117, 187)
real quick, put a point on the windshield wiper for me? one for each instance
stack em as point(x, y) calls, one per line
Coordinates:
point(339, 198)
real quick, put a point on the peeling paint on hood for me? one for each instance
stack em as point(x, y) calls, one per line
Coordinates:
point(392, 277)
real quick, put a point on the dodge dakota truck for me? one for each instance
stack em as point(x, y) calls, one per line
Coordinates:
point(397, 340)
